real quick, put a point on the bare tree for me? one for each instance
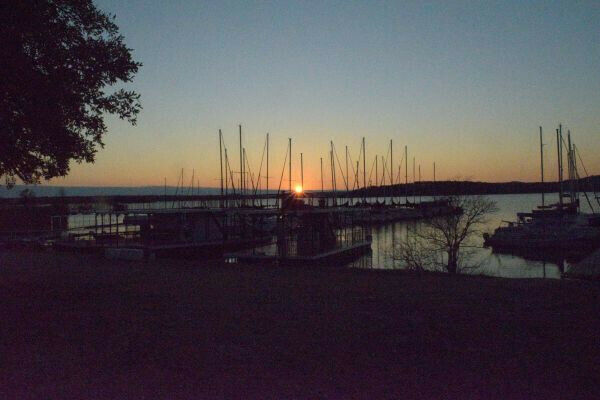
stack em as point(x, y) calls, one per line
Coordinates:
point(437, 243)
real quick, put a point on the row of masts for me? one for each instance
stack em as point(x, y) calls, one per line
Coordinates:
point(250, 184)
point(572, 192)
point(246, 184)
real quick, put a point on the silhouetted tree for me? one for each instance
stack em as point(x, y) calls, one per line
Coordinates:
point(58, 59)
point(445, 235)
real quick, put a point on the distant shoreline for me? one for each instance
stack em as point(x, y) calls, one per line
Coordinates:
point(445, 188)
point(425, 188)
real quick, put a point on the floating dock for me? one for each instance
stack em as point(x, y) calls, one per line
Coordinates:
point(334, 257)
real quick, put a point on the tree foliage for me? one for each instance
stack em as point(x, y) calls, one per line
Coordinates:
point(59, 60)
point(446, 235)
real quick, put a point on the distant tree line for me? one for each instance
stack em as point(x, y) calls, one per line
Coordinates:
point(447, 188)
point(440, 188)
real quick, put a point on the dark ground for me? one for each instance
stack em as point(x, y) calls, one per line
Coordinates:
point(87, 328)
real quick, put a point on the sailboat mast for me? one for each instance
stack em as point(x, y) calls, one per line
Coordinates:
point(542, 164)
point(392, 169)
point(576, 174)
point(301, 172)
point(570, 165)
point(420, 188)
point(382, 181)
point(191, 189)
point(181, 187)
point(558, 150)
point(332, 166)
point(383, 175)
point(226, 177)
point(333, 177)
point(267, 177)
point(241, 164)
point(562, 162)
point(221, 162)
point(290, 163)
point(347, 176)
point(245, 178)
point(364, 169)
point(322, 187)
point(356, 181)
point(414, 181)
point(399, 172)
point(391, 163)
point(405, 174)
point(376, 172)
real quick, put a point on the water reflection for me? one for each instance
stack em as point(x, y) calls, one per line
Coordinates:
point(522, 265)
point(387, 237)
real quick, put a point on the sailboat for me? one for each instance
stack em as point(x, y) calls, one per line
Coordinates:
point(555, 227)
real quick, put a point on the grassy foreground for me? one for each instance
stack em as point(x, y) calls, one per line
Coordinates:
point(87, 328)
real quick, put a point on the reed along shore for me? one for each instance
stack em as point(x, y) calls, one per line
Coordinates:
point(85, 327)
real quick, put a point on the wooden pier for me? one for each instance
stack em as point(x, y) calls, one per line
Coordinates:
point(333, 231)
point(334, 257)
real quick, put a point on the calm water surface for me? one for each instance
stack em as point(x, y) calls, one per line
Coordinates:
point(387, 237)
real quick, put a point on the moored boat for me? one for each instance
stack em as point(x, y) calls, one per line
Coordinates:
point(556, 227)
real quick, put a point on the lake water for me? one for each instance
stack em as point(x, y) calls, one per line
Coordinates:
point(387, 237)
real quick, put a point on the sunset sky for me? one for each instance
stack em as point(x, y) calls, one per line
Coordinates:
point(464, 84)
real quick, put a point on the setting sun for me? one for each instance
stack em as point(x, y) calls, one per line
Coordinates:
point(298, 189)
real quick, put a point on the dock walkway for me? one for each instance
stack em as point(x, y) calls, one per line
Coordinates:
point(336, 256)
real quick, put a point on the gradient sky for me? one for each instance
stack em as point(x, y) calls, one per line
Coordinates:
point(464, 84)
